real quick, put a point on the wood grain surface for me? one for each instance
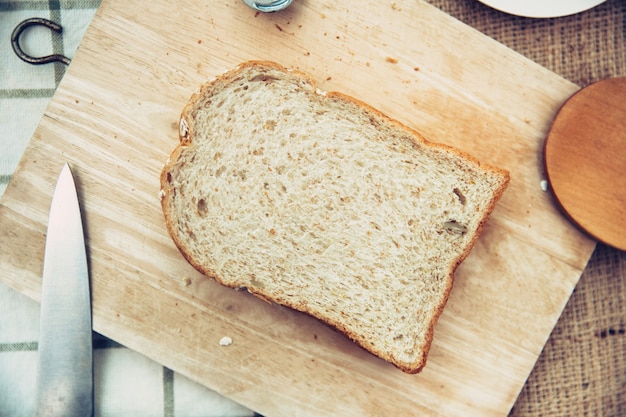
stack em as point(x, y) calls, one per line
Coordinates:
point(114, 118)
point(586, 162)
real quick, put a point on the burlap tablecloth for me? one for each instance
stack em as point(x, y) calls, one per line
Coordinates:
point(582, 369)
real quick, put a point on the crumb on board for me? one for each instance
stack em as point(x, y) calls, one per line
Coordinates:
point(226, 341)
point(186, 281)
point(391, 60)
point(394, 6)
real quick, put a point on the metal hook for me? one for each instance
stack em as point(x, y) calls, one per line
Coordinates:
point(15, 42)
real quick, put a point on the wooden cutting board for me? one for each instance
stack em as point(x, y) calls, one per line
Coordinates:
point(115, 118)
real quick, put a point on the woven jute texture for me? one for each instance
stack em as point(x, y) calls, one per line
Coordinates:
point(582, 369)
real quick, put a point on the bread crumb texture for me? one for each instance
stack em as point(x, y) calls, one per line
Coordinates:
point(323, 204)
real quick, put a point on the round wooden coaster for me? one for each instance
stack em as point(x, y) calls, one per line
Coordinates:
point(585, 158)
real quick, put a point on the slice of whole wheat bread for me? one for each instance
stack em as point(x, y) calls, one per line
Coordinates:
point(323, 204)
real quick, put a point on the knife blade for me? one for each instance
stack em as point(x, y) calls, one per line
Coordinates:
point(65, 367)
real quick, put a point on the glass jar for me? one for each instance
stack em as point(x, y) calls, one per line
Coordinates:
point(268, 5)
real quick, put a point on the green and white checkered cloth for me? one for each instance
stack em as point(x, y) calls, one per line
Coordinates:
point(126, 383)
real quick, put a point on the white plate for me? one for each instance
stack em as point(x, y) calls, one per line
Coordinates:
point(542, 8)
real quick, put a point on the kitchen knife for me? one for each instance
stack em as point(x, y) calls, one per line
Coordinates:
point(65, 368)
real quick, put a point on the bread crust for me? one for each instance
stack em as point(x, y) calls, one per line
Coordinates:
point(186, 137)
